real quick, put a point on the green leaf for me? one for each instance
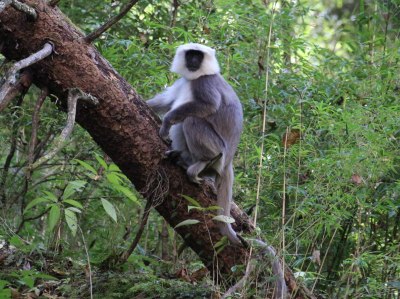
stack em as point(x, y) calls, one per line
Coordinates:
point(72, 187)
point(74, 203)
point(45, 276)
point(187, 222)
point(54, 216)
point(3, 283)
point(223, 218)
point(29, 281)
point(191, 200)
point(35, 202)
point(74, 210)
point(195, 208)
point(16, 241)
point(113, 167)
point(222, 242)
point(51, 196)
point(101, 162)
point(113, 178)
point(72, 221)
point(5, 293)
point(86, 166)
point(109, 208)
point(213, 208)
point(128, 193)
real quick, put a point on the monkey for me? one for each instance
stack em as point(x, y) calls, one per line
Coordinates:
point(203, 117)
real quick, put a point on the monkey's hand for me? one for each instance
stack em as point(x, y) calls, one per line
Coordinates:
point(164, 131)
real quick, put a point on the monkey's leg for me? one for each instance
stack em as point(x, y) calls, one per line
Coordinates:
point(194, 170)
point(203, 142)
point(179, 152)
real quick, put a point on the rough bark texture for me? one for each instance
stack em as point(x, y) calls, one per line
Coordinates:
point(122, 124)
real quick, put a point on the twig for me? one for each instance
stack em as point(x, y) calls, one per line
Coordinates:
point(124, 256)
point(73, 95)
point(20, 86)
point(4, 4)
point(10, 156)
point(29, 219)
point(175, 6)
point(35, 124)
point(240, 284)
point(95, 34)
point(60, 141)
point(25, 9)
point(88, 261)
point(9, 85)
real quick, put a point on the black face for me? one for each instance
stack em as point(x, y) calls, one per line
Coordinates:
point(193, 59)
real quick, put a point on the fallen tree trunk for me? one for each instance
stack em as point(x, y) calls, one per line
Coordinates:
point(122, 124)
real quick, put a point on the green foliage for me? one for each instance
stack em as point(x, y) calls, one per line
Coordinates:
point(329, 200)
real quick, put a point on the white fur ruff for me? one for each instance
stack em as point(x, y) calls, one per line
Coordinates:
point(209, 65)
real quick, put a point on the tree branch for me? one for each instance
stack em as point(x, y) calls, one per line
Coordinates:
point(29, 219)
point(99, 31)
point(10, 156)
point(124, 256)
point(25, 9)
point(9, 88)
point(35, 125)
point(73, 96)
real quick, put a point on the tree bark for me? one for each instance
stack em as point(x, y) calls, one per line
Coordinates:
point(121, 124)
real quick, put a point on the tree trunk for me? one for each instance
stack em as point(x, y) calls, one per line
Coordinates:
point(122, 125)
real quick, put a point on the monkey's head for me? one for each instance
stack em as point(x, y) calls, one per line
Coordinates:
point(194, 60)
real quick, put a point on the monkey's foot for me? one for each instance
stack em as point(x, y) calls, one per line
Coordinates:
point(173, 154)
point(196, 179)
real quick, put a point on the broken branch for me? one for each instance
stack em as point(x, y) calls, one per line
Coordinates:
point(9, 88)
point(20, 86)
point(25, 9)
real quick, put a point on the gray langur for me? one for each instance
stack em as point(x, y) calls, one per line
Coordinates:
point(204, 120)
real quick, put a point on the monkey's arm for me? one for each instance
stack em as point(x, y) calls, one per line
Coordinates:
point(205, 103)
point(161, 103)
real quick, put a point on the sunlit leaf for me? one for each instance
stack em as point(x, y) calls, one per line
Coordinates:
point(223, 218)
point(113, 178)
point(109, 208)
point(191, 200)
point(128, 193)
point(74, 203)
point(101, 162)
point(187, 222)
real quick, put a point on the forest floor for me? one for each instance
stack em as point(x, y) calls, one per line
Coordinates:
point(34, 275)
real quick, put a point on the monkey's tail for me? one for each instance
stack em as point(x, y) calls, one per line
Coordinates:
point(224, 184)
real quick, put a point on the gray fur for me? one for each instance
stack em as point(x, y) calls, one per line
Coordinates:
point(204, 122)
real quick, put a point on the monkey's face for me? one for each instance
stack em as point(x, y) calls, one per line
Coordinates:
point(193, 58)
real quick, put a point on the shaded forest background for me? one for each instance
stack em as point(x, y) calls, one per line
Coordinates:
point(318, 162)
